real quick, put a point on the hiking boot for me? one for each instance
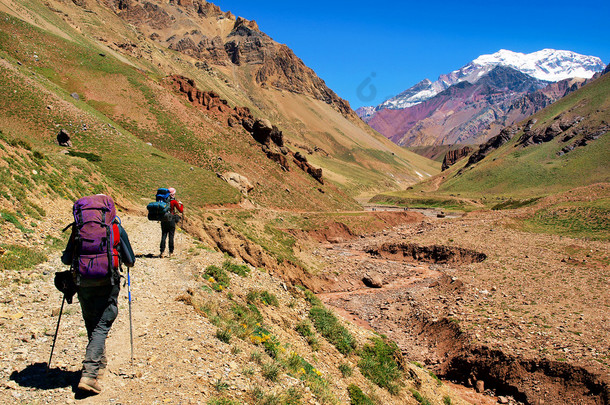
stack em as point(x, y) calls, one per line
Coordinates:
point(90, 385)
point(100, 374)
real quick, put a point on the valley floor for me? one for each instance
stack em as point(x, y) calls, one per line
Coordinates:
point(535, 297)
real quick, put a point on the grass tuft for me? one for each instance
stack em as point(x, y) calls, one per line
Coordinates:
point(378, 364)
point(357, 397)
point(328, 326)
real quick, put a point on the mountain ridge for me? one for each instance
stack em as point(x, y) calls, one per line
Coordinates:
point(420, 120)
point(548, 65)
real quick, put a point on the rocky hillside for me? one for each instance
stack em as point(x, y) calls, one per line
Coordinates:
point(118, 58)
point(188, 27)
point(562, 146)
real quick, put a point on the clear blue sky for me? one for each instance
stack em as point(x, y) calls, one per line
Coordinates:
point(395, 44)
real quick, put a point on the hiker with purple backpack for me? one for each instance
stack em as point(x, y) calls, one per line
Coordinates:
point(97, 248)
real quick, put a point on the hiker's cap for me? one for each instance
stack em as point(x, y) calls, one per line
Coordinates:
point(172, 191)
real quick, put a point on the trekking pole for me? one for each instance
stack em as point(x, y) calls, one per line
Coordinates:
point(56, 330)
point(130, 321)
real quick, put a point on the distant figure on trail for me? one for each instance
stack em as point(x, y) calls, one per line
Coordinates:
point(97, 247)
point(168, 223)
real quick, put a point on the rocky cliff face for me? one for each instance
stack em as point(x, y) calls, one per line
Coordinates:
point(452, 156)
point(202, 31)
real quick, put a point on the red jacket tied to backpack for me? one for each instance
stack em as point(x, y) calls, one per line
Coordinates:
point(175, 205)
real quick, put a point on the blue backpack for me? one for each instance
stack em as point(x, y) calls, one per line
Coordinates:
point(162, 194)
point(158, 209)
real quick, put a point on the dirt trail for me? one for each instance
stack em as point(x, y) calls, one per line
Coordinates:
point(173, 348)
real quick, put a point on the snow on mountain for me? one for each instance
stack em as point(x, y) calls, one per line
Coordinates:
point(548, 64)
point(422, 91)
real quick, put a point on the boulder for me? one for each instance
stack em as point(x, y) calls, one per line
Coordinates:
point(300, 157)
point(63, 139)
point(243, 112)
point(261, 130)
point(277, 136)
point(238, 181)
point(248, 124)
point(232, 121)
point(373, 281)
point(278, 158)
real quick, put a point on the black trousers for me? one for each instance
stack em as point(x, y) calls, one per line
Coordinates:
point(100, 308)
point(167, 229)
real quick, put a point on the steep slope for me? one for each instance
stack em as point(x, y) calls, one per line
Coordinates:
point(143, 42)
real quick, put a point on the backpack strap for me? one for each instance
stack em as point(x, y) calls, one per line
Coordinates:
point(114, 258)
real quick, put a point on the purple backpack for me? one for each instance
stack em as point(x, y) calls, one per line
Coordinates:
point(96, 237)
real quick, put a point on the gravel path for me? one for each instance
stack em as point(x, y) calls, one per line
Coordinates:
point(169, 341)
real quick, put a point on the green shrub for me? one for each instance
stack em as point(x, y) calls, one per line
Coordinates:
point(8, 217)
point(224, 335)
point(302, 368)
point(246, 316)
point(357, 397)
point(256, 357)
point(239, 269)
point(220, 385)
point(292, 396)
point(312, 299)
point(346, 370)
point(303, 328)
point(221, 278)
point(264, 296)
point(447, 400)
point(420, 398)
point(328, 326)
point(378, 364)
point(270, 371)
point(438, 380)
point(272, 346)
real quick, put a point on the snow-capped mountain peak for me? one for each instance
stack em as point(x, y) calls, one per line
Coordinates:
point(547, 64)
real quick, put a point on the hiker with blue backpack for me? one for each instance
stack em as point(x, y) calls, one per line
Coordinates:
point(168, 222)
point(97, 248)
point(164, 209)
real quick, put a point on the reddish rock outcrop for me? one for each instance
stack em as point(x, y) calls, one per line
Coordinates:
point(262, 130)
point(494, 143)
point(453, 156)
point(302, 163)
